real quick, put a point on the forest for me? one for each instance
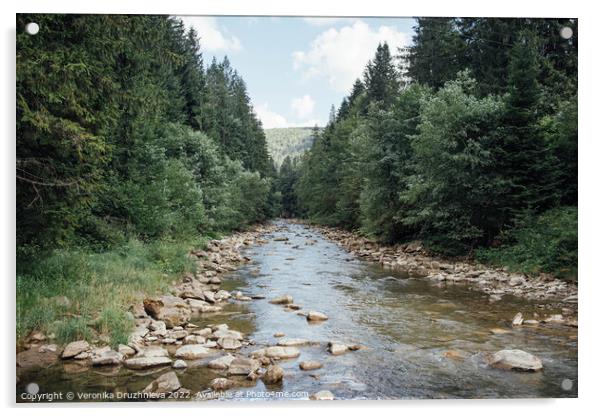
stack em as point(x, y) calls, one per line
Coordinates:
point(131, 150)
point(467, 141)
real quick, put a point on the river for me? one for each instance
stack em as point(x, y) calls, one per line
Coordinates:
point(406, 324)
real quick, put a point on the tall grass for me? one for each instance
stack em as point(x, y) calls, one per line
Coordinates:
point(78, 294)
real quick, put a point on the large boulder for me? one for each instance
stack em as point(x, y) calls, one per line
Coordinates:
point(174, 311)
point(75, 348)
point(515, 360)
point(166, 383)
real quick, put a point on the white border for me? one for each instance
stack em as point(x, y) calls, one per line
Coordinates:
point(589, 217)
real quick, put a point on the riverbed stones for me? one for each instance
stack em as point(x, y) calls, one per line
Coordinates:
point(310, 365)
point(515, 360)
point(242, 366)
point(153, 351)
point(75, 348)
point(282, 300)
point(277, 352)
point(273, 375)
point(226, 333)
point(322, 395)
point(229, 343)
point(109, 357)
point(221, 363)
point(192, 352)
point(499, 331)
point(179, 364)
point(141, 363)
point(316, 316)
point(173, 310)
point(279, 334)
point(165, 383)
point(126, 350)
point(221, 383)
point(336, 348)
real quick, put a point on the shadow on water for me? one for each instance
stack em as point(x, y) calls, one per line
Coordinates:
point(407, 324)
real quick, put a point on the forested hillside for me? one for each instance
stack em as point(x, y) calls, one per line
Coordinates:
point(470, 145)
point(291, 141)
point(130, 148)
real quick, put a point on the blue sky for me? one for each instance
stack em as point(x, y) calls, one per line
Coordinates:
point(296, 68)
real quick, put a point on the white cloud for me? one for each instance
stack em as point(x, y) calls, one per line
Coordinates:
point(303, 106)
point(270, 119)
point(321, 21)
point(341, 55)
point(213, 37)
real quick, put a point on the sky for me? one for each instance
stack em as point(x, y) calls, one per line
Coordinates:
point(295, 68)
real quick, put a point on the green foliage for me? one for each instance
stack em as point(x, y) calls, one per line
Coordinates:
point(538, 243)
point(477, 125)
point(110, 110)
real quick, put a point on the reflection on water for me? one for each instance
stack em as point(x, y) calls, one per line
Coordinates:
point(406, 323)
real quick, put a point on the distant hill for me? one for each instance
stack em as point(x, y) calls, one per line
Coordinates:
point(292, 141)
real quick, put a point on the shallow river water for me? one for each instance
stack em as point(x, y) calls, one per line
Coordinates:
point(406, 323)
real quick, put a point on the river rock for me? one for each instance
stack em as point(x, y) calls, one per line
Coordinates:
point(515, 360)
point(34, 358)
point(221, 363)
point(108, 358)
point(205, 332)
point(229, 343)
point(140, 363)
point(192, 352)
point(292, 342)
point(179, 364)
point(279, 334)
point(166, 383)
point(226, 333)
point(310, 365)
point(282, 300)
point(126, 350)
point(277, 352)
point(242, 366)
point(194, 339)
point(337, 349)
point(322, 395)
point(273, 375)
point(316, 316)
point(518, 319)
point(221, 384)
point(75, 348)
point(174, 311)
point(153, 351)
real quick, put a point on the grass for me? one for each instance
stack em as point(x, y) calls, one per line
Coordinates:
point(77, 294)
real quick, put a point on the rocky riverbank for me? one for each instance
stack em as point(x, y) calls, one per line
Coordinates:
point(413, 259)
